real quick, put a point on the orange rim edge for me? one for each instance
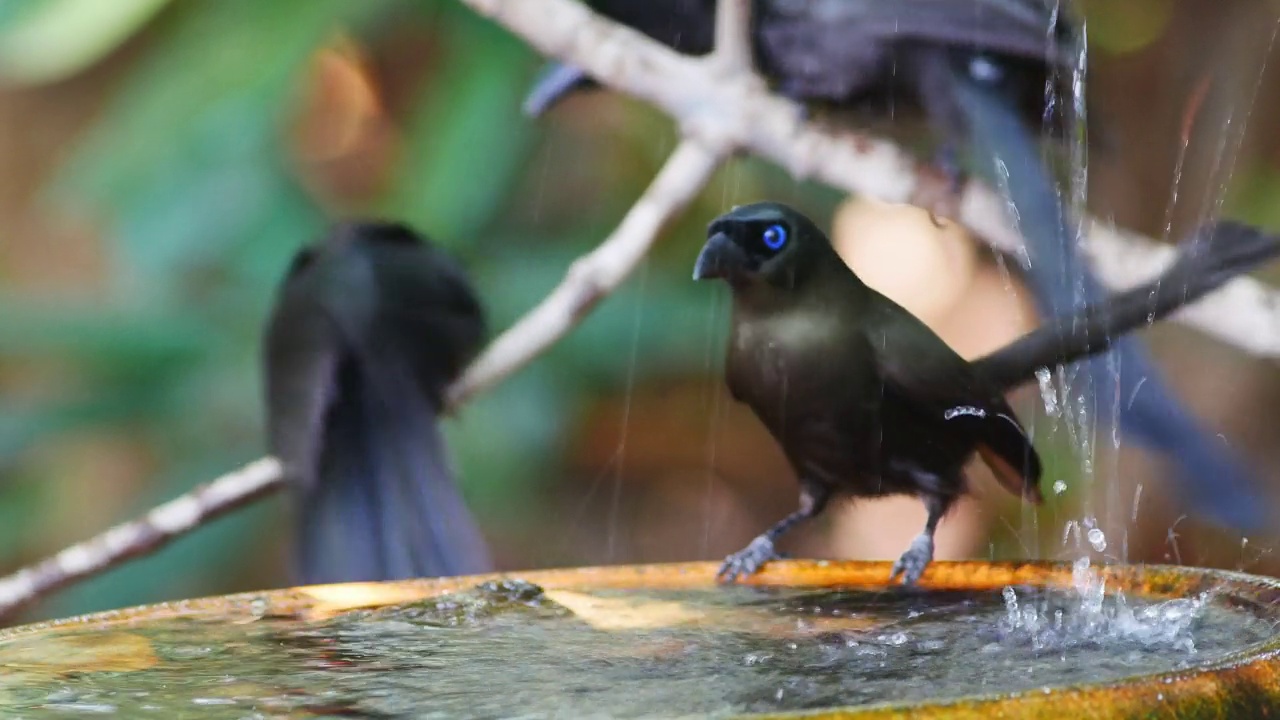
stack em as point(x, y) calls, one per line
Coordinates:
point(1242, 684)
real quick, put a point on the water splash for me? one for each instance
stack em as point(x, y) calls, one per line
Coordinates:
point(1048, 395)
point(1094, 619)
point(1097, 539)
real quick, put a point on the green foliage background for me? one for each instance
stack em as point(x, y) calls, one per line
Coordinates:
point(200, 210)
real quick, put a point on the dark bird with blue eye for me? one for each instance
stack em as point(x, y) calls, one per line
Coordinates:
point(981, 71)
point(866, 401)
point(370, 327)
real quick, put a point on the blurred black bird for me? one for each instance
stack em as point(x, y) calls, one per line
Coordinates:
point(989, 76)
point(370, 326)
point(865, 400)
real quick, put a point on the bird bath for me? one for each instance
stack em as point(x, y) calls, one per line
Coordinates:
point(814, 638)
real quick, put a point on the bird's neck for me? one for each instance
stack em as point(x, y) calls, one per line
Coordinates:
point(830, 289)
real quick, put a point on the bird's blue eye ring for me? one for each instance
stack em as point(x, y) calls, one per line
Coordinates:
point(775, 236)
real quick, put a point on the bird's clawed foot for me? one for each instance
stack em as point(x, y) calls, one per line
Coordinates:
point(748, 560)
point(913, 562)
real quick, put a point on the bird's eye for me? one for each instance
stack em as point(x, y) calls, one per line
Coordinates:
point(775, 236)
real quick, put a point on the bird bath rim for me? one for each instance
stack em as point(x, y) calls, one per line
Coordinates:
point(1242, 680)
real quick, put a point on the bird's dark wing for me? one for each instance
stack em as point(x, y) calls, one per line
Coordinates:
point(301, 347)
point(923, 373)
point(1019, 28)
point(861, 50)
point(685, 25)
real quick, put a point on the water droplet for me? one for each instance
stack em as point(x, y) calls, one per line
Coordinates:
point(1047, 394)
point(898, 638)
point(1059, 487)
point(1097, 539)
point(982, 69)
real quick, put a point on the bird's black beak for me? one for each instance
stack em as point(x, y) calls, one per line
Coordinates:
point(555, 83)
point(720, 258)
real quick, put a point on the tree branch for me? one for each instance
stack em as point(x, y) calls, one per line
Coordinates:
point(142, 536)
point(1244, 313)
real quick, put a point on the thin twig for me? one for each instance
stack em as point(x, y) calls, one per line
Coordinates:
point(142, 536)
point(1244, 313)
point(594, 275)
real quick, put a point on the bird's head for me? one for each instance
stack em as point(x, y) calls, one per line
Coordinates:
point(763, 242)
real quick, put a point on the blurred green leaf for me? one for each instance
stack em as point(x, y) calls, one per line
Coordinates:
point(1127, 26)
point(23, 427)
point(188, 162)
point(58, 38)
point(504, 443)
point(467, 138)
point(1252, 194)
point(14, 12)
point(98, 337)
point(23, 509)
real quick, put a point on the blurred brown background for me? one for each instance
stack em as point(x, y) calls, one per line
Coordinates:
point(161, 161)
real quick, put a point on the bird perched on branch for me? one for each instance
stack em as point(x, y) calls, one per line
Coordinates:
point(370, 326)
point(865, 400)
point(989, 76)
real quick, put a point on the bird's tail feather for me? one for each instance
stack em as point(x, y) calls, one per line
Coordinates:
point(1212, 479)
point(1218, 254)
point(386, 506)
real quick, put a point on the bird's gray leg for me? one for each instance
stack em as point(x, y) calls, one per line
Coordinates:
point(813, 498)
point(917, 557)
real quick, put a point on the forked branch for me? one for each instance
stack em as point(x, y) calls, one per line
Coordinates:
point(1244, 313)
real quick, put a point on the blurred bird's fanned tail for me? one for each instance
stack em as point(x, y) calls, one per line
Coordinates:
point(1214, 256)
point(370, 326)
point(384, 505)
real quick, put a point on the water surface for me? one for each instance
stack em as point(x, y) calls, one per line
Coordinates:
point(511, 650)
